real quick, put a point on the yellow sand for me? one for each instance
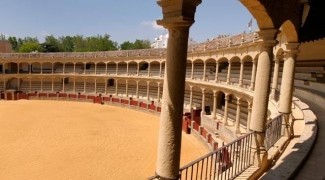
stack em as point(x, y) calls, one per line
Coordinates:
point(71, 140)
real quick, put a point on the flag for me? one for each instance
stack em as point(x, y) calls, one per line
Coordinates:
point(249, 24)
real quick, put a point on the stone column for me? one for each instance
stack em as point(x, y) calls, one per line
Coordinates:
point(41, 68)
point(126, 88)
point(95, 86)
point(105, 86)
point(225, 115)
point(214, 112)
point(192, 72)
point(217, 72)
point(18, 83)
point(74, 85)
point(148, 89)
point(191, 102)
point(178, 17)
point(41, 84)
point(95, 68)
point(242, 63)
point(74, 68)
point(30, 85)
point(238, 112)
point(4, 84)
point(137, 91)
point(261, 95)
point(116, 69)
point(204, 70)
point(253, 75)
point(229, 70)
point(158, 95)
point(85, 66)
point(138, 70)
point(85, 84)
point(203, 103)
point(63, 68)
point(106, 68)
point(52, 85)
point(30, 69)
point(149, 69)
point(116, 87)
point(275, 77)
point(63, 84)
point(127, 69)
point(52, 68)
point(160, 69)
point(287, 84)
point(249, 114)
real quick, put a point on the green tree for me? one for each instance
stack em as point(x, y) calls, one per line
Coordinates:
point(30, 39)
point(30, 47)
point(14, 43)
point(67, 44)
point(126, 45)
point(2, 37)
point(142, 44)
point(51, 44)
point(138, 44)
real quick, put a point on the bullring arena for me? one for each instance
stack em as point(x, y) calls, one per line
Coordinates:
point(253, 103)
point(74, 140)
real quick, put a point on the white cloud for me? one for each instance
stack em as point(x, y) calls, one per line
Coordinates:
point(44, 33)
point(153, 25)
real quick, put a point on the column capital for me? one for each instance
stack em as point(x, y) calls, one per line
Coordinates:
point(239, 100)
point(203, 90)
point(177, 13)
point(291, 50)
point(267, 37)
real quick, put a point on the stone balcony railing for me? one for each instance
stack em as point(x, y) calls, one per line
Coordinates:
point(215, 44)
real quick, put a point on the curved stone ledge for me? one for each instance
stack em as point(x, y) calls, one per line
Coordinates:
point(300, 151)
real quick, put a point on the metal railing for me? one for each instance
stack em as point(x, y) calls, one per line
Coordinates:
point(273, 131)
point(226, 162)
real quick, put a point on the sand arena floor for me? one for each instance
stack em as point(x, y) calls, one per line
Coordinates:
point(72, 140)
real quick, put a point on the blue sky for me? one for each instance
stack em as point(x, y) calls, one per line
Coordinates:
point(122, 19)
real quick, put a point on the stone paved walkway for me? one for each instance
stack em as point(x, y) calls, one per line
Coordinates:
point(314, 167)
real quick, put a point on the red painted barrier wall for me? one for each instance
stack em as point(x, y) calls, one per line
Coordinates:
point(32, 94)
point(198, 120)
point(204, 133)
point(98, 100)
point(196, 126)
point(72, 96)
point(81, 96)
point(64, 95)
point(52, 95)
point(185, 127)
point(22, 96)
point(2, 95)
point(143, 105)
point(106, 98)
point(159, 109)
point(124, 101)
point(134, 103)
point(9, 96)
point(91, 97)
point(152, 107)
point(43, 94)
point(116, 100)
